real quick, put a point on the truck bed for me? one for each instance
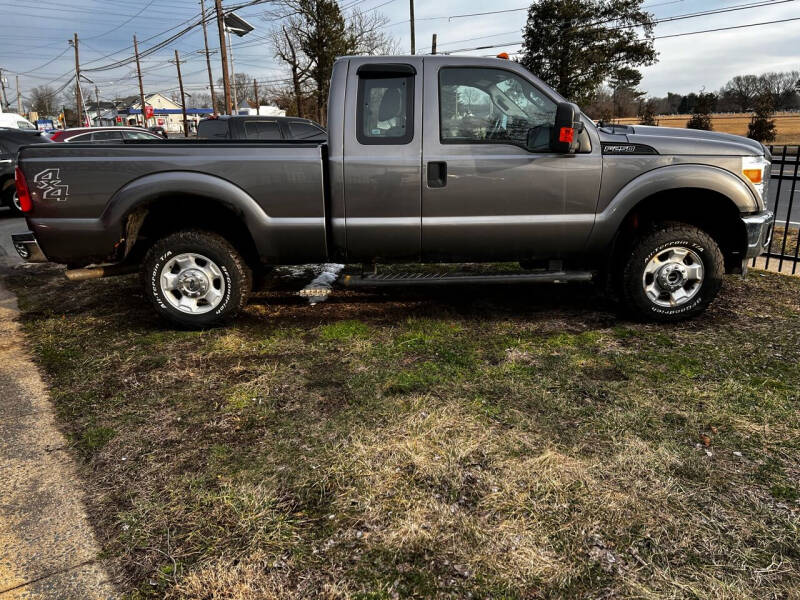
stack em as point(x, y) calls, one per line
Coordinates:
point(89, 191)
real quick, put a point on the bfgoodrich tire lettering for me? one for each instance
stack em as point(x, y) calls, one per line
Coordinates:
point(673, 273)
point(212, 253)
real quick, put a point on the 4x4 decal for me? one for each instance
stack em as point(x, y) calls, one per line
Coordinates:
point(49, 182)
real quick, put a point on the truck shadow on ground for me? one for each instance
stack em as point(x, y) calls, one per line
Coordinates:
point(569, 306)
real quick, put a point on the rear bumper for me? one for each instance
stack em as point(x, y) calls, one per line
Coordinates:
point(759, 232)
point(27, 247)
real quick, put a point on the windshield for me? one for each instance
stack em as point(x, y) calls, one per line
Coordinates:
point(25, 125)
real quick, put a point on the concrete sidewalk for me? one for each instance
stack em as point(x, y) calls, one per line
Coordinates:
point(47, 547)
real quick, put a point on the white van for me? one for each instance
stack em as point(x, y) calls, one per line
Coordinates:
point(15, 121)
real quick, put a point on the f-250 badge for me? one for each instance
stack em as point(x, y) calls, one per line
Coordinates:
point(49, 182)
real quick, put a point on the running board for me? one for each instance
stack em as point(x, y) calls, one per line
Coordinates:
point(406, 279)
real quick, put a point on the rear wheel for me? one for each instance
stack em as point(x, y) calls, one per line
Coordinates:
point(673, 273)
point(196, 278)
point(12, 201)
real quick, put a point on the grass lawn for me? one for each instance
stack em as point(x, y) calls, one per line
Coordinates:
point(515, 442)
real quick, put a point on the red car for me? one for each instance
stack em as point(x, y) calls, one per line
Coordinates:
point(100, 135)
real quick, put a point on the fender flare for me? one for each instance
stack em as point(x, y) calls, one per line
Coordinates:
point(148, 189)
point(136, 196)
point(663, 179)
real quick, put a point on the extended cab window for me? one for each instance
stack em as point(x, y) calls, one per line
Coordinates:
point(385, 108)
point(486, 105)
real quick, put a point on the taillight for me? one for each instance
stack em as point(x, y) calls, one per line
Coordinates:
point(57, 135)
point(23, 195)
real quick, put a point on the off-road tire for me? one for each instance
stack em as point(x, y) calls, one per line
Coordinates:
point(236, 274)
point(658, 240)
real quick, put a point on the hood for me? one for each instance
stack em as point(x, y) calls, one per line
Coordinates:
point(676, 141)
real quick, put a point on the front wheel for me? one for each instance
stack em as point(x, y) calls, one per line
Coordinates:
point(673, 273)
point(196, 278)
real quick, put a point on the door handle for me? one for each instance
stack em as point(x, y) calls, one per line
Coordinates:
point(437, 174)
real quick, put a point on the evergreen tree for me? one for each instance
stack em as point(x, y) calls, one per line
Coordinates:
point(647, 112)
point(762, 126)
point(701, 116)
point(575, 45)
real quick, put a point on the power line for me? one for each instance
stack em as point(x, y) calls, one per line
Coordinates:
point(709, 12)
point(659, 37)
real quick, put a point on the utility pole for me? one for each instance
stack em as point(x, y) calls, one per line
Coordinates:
point(208, 58)
point(234, 86)
point(97, 104)
point(433, 44)
point(255, 95)
point(141, 87)
point(19, 98)
point(183, 96)
point(78, 98)
point(413, 43)
point(3, 99)
point(226, 81)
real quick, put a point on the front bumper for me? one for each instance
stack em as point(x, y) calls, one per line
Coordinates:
point(759, 232)
point(27, 247)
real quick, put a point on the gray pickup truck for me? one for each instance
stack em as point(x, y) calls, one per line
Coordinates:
point(429, 159)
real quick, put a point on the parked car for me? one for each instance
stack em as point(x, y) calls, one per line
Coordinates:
point(15, 121)
point(482, 163)
point(102, 135)
point(11, 139)
point(253, 127)
point(159, 131)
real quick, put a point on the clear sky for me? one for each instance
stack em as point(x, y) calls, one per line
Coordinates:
point(34, 40)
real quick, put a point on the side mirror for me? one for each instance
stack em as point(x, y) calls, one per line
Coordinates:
point(564, 134)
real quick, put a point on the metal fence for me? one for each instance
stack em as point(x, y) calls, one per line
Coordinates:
point(784, 247)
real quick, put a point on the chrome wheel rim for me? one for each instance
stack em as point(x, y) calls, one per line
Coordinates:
point(192, 283)
point(673, 277)
point(15, 201)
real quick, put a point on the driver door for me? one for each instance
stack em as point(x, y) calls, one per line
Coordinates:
point(485, 195)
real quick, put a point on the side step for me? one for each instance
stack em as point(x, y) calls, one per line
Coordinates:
point(405, 279)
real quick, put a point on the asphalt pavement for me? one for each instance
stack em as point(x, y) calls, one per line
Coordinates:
point(786, 196)
point(9, 225)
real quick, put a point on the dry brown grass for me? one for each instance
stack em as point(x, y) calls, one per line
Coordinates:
point(511, 443)
point(788, 124)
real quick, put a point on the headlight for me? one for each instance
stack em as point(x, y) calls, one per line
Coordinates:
point(757, 170)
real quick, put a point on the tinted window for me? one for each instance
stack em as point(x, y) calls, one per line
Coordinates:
point(213, 129)
point(485, 105)
point(262, 130)
point(385, 110)
point(139, 135)
point(84, 137)
point(305, 131)
point(106, 136)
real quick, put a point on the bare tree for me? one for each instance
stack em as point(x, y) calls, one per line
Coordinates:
point(286, 45)
point(743, 89)
point(44, 100)
point(311, 34)
point(782, 87)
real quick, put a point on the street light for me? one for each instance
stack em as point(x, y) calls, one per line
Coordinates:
point(238, 26)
